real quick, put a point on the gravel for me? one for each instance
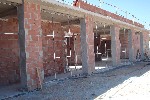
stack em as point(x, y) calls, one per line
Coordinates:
point(125, 83)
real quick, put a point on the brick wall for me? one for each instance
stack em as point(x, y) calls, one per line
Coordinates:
point(137, 43)
point(115, 47)
point(108, 48)
point(97, 42)
point(9, 59)
point(51, 67)
point(89, 7)
point(9, 52)
point(124, 46)
point(87, 45)
point(74, 45)
point(10, 25)
point(33, 45)
point(146, 42)
point(78, 49)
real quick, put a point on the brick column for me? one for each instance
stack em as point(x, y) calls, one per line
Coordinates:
point(146, 42)
point(141, 45)
point(115, 45)
point(87, 45)
point(131, 42)
point(30, 43)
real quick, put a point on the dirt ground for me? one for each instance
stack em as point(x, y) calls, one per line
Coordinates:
point(124, 83)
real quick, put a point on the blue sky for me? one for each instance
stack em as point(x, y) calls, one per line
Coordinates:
point(139, 8)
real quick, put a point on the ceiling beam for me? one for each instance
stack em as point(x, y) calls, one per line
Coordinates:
point(16, 1)
point(71, 22)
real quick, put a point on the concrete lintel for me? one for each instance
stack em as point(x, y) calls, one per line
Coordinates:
point(16, 1)
point(71, 22)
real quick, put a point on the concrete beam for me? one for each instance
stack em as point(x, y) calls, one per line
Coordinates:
point(71, 22)
point(78, 12)
point(15, 1)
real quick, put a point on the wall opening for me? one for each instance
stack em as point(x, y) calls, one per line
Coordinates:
point(102, 47)
point(61, 45)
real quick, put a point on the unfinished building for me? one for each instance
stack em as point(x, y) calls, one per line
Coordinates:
point(42, 38)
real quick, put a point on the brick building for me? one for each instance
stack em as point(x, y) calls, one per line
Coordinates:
point(39, 38)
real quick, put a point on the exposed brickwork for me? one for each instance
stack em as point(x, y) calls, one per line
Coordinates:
point(8, 26)
point(74, 42)
point(132, 42)
point(89, 7)
point(33, 44)
point(40, 50)
point(124, 39)
point(124, 46)
point(9, 59)
point(137, 44)
point(48, 56)
point(115, 44)
point(98, 41)
point(106, 51)
point(51, 67)
point(90, 43)
point(9, 52)
point(87, 43)
point(146, 42)
point(78, 49)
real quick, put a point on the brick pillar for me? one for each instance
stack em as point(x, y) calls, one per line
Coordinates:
point(30, 43)
point(131, 42)
point(115, 45)
point(141, 45)
point(146, 42)
point(87, 45)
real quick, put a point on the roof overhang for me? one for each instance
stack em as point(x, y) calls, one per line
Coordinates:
point(56, 6)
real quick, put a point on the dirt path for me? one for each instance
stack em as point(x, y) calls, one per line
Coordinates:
point(126, 83)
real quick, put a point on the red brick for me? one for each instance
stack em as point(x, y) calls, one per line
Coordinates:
point(9, 52)
point(93, 8)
